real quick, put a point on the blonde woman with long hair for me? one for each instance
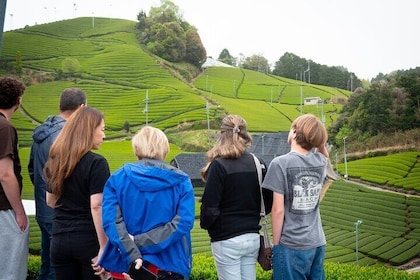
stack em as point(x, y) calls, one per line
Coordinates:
point(231, 202)
point(76, 178)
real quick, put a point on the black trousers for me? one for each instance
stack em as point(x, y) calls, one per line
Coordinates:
point(165, 275)
point(71, 255)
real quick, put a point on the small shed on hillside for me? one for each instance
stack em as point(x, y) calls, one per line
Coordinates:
point(210, 62)
point(312, 100)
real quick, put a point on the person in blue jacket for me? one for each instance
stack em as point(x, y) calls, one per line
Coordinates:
point(148, 212)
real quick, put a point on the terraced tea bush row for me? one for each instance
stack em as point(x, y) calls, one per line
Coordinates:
point(385, 235)
point(398, 170)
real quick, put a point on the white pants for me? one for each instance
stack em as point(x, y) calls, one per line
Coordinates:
point(236, 258)
point(14, 248)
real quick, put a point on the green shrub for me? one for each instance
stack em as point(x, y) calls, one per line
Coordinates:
point(204, 269)
point(34, 265)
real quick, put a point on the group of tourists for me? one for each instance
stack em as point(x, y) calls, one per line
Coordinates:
point(98, 225)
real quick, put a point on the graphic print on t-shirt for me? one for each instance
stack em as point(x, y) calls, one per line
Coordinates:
point(305, 185)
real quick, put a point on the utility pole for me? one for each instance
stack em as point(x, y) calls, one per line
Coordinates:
point(345, 159)
point(301, 95)
point(11, 21)
point(208, 123)
point(357, 224)
point(271, 102)
point(309, 71)
point(74, 9)
point(208, 117)
point(146, 107)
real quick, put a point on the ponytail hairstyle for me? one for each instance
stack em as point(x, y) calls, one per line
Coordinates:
point(234, 139)
point(71, 144)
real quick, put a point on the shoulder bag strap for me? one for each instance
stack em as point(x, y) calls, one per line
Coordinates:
point(259, 172)
point(267, 243)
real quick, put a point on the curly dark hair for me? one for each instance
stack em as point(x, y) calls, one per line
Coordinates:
point(11, 89)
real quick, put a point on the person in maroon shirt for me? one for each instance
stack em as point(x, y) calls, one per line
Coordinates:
point(14, 226)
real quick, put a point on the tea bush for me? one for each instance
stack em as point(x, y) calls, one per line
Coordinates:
point(204, 269)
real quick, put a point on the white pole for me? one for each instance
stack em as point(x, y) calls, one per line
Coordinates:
point(271, 102)
point(11, 21)
point(146, 107)
point(357, 224)
point(357, 245)
point(301, 93)
point(208, 119)
point(345, 159)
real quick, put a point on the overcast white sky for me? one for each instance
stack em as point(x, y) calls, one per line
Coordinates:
point(365, 36)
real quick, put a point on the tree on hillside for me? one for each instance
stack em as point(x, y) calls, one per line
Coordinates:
point(70, 66)
point(166, 12)
point(410, 81)
point(225, 57)
point(294, 67)
point(168, 35)
point(168, 41)
point(385, 108)
point(142, 21)
point(195, 53)
point(290, 66)
point(256, 63)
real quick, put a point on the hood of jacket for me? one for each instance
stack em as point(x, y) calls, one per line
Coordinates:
point(153, 175)
point(52, 125)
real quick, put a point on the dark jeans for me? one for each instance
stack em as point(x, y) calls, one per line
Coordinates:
point(47, 272)
point(290, 264)
point(71, 255)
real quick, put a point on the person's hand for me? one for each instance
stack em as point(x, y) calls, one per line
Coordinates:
point(126, 276)
point(138, 264)
point(22, 221)
point(99, 270)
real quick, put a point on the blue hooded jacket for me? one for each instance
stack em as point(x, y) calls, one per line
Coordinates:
point(43, 136)
point(154, 202)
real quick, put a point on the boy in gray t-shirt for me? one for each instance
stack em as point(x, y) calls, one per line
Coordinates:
point(296, 179)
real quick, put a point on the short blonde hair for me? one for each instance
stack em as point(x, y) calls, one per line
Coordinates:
point(150, 142)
